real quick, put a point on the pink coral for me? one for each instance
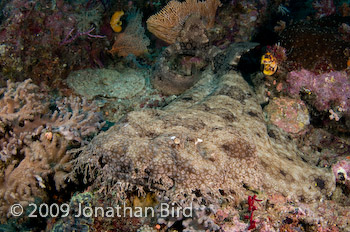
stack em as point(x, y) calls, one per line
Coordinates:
point(324, 8)
point(330, 89)
point(291, 115)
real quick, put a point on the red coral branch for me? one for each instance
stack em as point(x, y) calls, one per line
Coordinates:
point(251, 208)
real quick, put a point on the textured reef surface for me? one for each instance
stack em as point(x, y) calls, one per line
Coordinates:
point(158, 116)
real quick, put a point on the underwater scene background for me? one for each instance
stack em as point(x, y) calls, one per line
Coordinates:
point(154, 116)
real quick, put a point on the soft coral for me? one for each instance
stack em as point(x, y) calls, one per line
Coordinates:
point(251, 208)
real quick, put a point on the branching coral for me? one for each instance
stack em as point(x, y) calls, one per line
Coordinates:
point(76, 119)
point(25, 112)
point(34, 140)
point(23, 181)
point(21, 102)
point(20, 105)
point(168, 23)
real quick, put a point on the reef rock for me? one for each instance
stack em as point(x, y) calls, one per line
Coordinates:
point(211, 143)
point(289, 114)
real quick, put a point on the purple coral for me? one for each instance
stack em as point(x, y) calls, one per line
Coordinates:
point(330, 89)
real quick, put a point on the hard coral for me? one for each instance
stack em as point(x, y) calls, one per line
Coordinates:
point(21, 105)
point(25, 113)
point(76, 119)
point(20, 102)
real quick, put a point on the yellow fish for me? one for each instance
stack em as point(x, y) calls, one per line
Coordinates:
point(115, 22)
point(270, 64)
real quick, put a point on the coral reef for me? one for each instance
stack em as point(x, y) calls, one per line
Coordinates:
point(133, 39)
point(118, 220)
point(326, 148)
point(22, 104)
point(239, 21)
point(167, 24)
point(209, 144)
point(76, 119)
point(89, 18)
point(324, 8)
point(70, 222)
point(33, 41)
point(185, 126)
point(26, 113)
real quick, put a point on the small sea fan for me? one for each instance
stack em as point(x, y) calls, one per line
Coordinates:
point(133, 40)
